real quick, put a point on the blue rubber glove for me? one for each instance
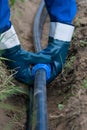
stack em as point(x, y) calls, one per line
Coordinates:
point(18, 60)
point(57, 51)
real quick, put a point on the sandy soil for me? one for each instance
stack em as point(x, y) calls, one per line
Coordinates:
point(67, 94)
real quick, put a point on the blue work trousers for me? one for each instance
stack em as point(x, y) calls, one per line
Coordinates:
point(59, 11)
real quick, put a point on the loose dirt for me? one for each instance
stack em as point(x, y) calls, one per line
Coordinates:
point(67, 94)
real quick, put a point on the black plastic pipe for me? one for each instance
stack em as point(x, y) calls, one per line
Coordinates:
point(38, 26)
point(40, 101)
point(39, 118)
point(40, 97)
point(30, 109)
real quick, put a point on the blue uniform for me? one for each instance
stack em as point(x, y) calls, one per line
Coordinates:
point(4, 16)
point(59, 11)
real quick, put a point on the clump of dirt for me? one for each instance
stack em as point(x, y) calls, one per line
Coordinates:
point(67, 94)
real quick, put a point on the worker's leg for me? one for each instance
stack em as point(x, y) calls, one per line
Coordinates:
point(61, 10)
point(4, 16)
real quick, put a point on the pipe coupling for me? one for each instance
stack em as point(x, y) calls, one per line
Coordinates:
point(46, 67)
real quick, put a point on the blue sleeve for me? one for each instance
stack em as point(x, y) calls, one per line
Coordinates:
point(4, 16)
point(62, 11)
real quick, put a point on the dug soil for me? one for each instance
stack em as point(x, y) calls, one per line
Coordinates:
point(67, 94)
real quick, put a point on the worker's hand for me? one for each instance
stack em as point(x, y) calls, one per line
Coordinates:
point(18, 60)
point(56, 53)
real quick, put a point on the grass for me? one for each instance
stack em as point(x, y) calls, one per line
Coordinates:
point(83, 43)
point(84, 84)
point(12, 2)
point(60, 107)
point(7, 87)
point(77, 22)
point(70, 62)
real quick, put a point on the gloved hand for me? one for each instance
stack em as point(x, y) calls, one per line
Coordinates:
point(18, 60)
point(57, 51)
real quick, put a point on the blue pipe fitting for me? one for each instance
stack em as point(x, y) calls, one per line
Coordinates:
point(46, 67)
